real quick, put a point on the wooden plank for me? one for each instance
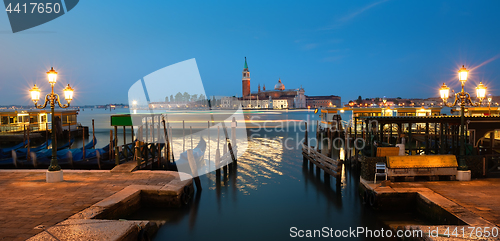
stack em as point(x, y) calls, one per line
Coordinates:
point(333, 172)
point(320, 155)
point(328, 165)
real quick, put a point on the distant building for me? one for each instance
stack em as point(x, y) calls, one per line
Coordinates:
point(323, 101)
point(277, 98)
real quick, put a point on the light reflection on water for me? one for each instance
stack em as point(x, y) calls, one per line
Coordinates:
point(256, 167)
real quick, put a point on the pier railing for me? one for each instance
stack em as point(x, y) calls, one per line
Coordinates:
point(329, 165)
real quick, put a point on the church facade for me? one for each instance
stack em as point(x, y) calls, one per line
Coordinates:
point(277, 98)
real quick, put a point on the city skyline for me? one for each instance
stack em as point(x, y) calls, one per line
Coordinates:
point(330, 48)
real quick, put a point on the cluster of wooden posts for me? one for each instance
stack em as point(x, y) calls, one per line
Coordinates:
point(322, 155)
point(228, 158)
point(147, 150)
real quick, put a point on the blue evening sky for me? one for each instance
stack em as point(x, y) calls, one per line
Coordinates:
point(347, 48)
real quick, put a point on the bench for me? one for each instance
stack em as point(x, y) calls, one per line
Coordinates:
point(432, 166)
point(387, 151)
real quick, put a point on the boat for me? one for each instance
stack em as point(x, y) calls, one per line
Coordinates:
point(7, 152)
point(23, 152)
point(97, 158)
point(183, 164)
point(43, 156)
point(66, 145)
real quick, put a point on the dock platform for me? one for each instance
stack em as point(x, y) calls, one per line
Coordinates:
point(460, 203)
point(31, 206)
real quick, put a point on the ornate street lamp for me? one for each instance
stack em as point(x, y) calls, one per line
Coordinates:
point(463, 98)
point(52, 98)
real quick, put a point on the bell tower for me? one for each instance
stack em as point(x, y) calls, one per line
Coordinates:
point(245, 81)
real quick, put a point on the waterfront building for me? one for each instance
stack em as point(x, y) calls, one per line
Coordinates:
point(478, 111)
point(323, 101)
point(12, 121)
point(328, 114)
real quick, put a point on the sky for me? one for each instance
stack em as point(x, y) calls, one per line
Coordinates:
point(347, 48)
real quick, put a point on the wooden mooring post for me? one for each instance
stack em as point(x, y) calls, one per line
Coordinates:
point(183, 137)
point(158, 146)
point(217, 156)
point(115, 144)
point(208, 133)
point(306, 142)
point(83, 143)
point(228, 159)
point(69, 136)
point(224, 151)
point(47, 134)
point(166, 150)
point(93, 133)
point(29, 144)
point(110, 145)
point(172, 144)
point(191, 135)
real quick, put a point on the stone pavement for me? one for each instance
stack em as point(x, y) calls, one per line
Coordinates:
point(474, 200)
point(28, 204)
point(481, 197)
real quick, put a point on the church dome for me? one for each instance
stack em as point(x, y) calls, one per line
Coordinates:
point(279, 85)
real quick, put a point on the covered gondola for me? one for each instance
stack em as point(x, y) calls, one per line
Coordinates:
point(7, 152)
point(198, 153)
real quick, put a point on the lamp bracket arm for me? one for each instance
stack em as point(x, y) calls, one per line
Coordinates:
point(470, 101)
point(456, 100)
point(47, 100)
point(59, 102)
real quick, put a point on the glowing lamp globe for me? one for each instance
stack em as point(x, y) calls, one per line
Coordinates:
point(481, 91)
point(444, 91)
point(35, 94)
point(52, 74)
point(462, 74)
point(68, 93)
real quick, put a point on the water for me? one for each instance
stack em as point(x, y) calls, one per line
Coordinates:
point(270, 193)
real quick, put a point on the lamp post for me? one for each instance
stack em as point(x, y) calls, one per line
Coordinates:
point(52, 98)
point(463, 98)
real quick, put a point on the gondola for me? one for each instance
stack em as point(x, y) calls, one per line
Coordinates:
point(97, 158)
point(182, 163)
point(42, 157)
point(22, 152)
point(7, 152)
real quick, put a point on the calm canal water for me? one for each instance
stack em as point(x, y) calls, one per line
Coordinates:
point(270, 192)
